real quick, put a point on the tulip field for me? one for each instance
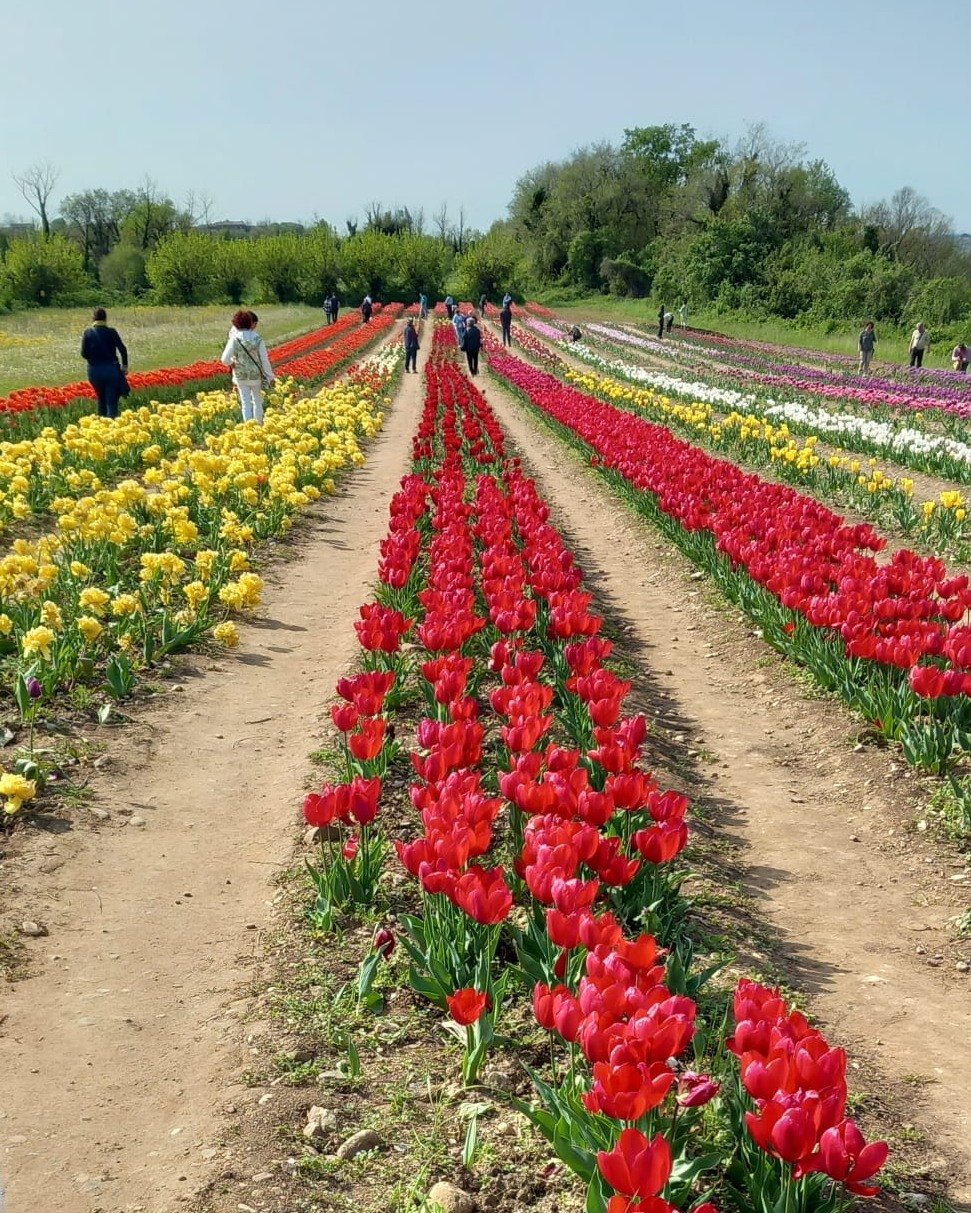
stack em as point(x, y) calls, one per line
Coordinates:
point(539, 837)
point(490, 846)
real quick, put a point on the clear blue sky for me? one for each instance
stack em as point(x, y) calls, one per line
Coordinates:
point(304, 108)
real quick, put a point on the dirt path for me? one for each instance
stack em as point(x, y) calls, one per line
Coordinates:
point(835, 872)
point(116, 1055)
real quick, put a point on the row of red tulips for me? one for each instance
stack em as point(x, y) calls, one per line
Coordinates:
point(593, 844)
point(892, 636)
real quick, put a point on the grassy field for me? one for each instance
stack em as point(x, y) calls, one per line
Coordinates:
point(42, 347)
point(891, 344)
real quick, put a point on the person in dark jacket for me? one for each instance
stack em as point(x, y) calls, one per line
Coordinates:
point(411, 347)
point(483, 304)
point(473, 343)
point(101, 348)
point(660, 321)
point(505, 319)
point(367, 307)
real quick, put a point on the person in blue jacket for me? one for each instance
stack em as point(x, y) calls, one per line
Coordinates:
point(458, 323)
point(101, 347)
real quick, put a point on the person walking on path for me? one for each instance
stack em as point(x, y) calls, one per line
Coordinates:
point(101, 347)
point(505, 320)
point(483, 304)
point(331, 307)
point(660, 321)
point(960, 356)
point(868, 340)
point(920, 343)
point(458, 323)
point(473, 343)
point(449, 306)
point(411, 347)
point(246, 353)
point(423, 306)
point(366, 308)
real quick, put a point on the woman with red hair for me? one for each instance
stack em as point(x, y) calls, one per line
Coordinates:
point(246, 353)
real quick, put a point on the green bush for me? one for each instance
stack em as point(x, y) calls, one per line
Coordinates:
point(123, 271)
point(43, 272)
point(182, 268)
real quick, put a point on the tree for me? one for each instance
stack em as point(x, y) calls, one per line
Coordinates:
point(492, 267)
point(43, 272)
point(232, 268)
point(912, 231)
point(281, 264)
point(368, 261)
point(123, 270)
point(182, 269)
point(94, 219)
point(152, 216)
point(421, 263)
point(322, 264)
point(36, 184)
point(667, 154)
point(442, 223)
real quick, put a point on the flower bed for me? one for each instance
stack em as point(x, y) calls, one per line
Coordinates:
point(891, 638)
point(547, 856)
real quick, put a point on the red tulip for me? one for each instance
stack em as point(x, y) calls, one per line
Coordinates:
point(845, 1156)
point(468, 1005)
point(635, 1166)
point(363, 799)
point(367, 743)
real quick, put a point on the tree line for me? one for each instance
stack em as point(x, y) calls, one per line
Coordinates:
point(757, 227)
point(128, 245)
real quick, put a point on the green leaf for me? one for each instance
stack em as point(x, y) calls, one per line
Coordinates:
point(597, 1194)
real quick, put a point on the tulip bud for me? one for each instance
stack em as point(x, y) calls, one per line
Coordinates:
point(384, 941)
point(34, 689)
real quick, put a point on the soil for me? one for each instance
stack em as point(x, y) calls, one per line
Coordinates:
point(125, 1051)
point(115, 1052)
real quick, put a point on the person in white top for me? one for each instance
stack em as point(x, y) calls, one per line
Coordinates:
point(920, 343)
point(246, 353)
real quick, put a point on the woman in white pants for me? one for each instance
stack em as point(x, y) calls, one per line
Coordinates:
point(246, 353)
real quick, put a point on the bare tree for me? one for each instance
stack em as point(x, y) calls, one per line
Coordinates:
point(37, 184)
point(912, 231)
point(442, 223)
point(197, 208)
point(460, 232)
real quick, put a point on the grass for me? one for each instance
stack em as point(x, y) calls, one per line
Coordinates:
point(41, 347)
point(892, 344)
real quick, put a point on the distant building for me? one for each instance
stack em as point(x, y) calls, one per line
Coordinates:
point(231, 229)
point(236, 229)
